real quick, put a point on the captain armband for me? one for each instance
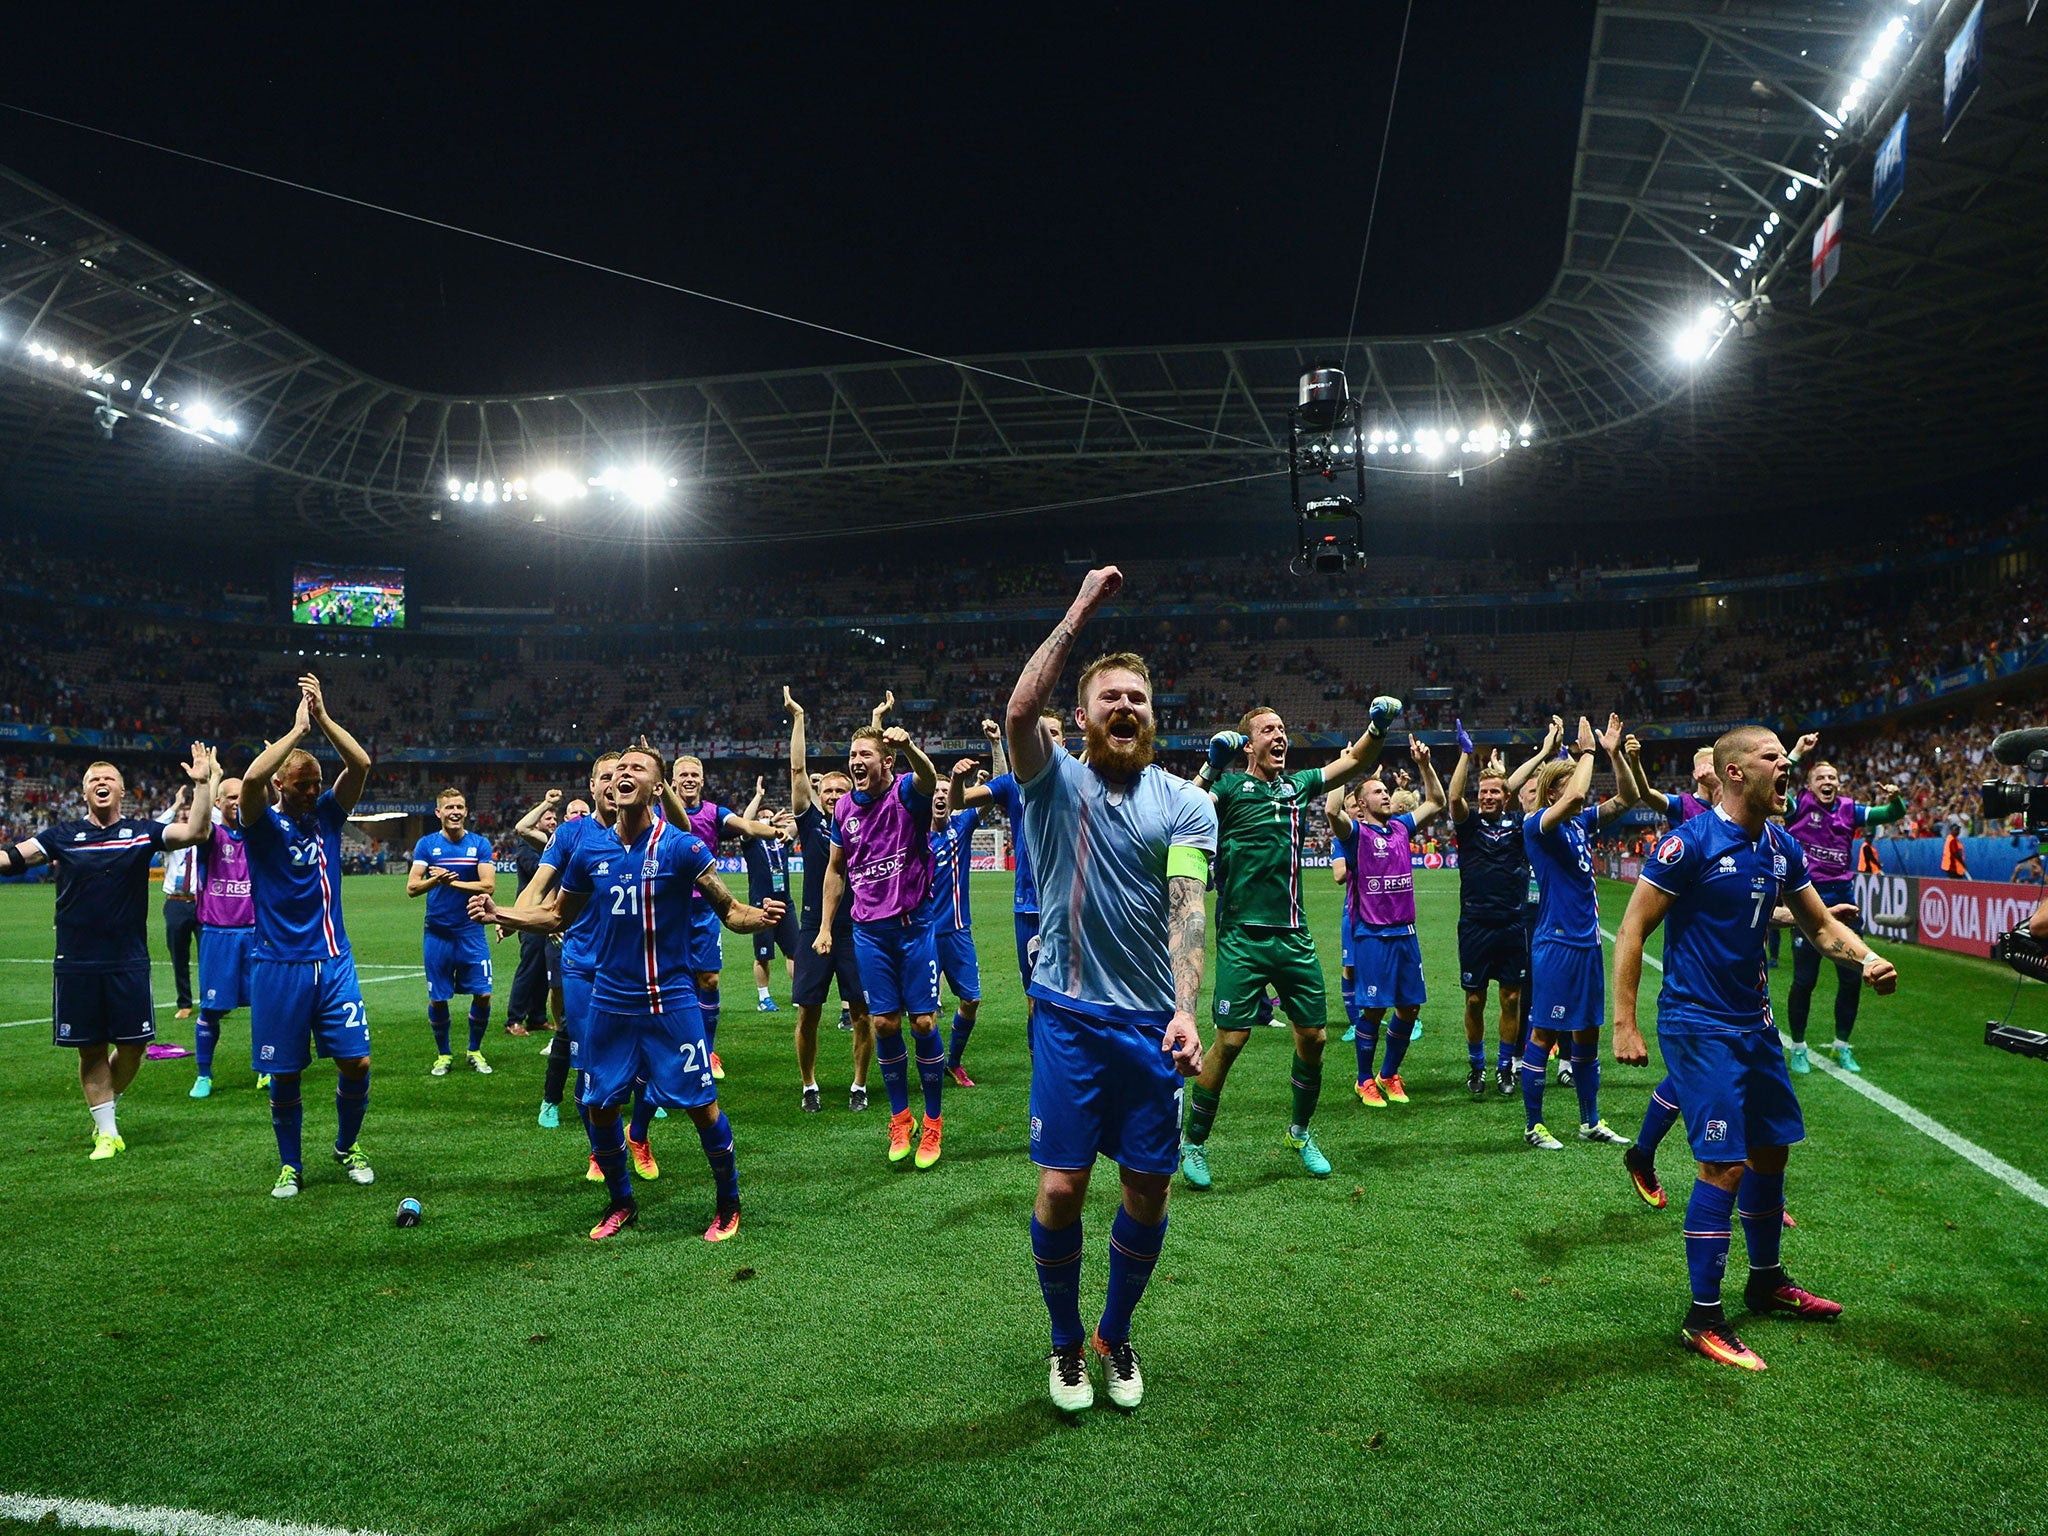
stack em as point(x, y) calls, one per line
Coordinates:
point(1183, 859)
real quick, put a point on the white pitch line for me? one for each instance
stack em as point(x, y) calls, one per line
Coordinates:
point(1927, 1125)
point(153, 1519)
point(368, 981)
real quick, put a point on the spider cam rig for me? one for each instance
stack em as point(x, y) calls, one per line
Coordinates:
point(1326, 474)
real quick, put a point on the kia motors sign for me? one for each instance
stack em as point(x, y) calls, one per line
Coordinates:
point(1960, 915)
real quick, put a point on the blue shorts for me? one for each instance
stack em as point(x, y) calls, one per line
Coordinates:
point(1567, 986)
point(666, 1049)
point(782, 936)
point(1733, 1090)
point(102, 1007)
point(816, 973)
point(1027, 945)
point(958, 962)
point(296, 1006)
point(1491, 952)
point(1100, 1088)
point(707, 937)
point(457, 962)
point(224, 968)
point(1386, 970)
point(899, 966)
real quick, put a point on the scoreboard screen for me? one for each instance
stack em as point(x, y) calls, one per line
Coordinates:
point(357, 597)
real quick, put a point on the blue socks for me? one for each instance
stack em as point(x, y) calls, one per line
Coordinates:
point(479, 1021)
point(1367, 1042)
point(931, 1072)
point(1057, 1253)
point(1586, 1079)
point(351, 1099)
point(287, 1117)
point(1399, 1032)
point(1760, 1202)
point(956, 1038)
point(1659, 1117)
point(1509, 1050)
point(1475, 1053)
point(725, 1168)
point(894, 1059)
point(707, 1000)
point(608, 1146)
point(437, 1016)
point(1535, 1068)
point(1133, 1254)
point(1709, 1223)
point(205, 1036)
point(643, 1113)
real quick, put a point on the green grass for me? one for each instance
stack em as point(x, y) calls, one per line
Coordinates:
point(1453, 1333)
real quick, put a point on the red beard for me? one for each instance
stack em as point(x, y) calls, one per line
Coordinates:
point(1115, 759)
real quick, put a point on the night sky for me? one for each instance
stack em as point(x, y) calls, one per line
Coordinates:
point(1109, 177)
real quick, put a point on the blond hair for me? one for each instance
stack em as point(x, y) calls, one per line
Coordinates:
point(1115, 661)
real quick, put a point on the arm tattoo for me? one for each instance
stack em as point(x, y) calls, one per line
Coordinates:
point(1184, 927)
point(1835, 944)
point(1043, 669)
point(715, 892)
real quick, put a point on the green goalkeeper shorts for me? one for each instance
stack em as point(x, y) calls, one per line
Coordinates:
point(1249, 961)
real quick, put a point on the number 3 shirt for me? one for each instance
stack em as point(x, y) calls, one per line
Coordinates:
point(640, 939)
point(1724, 886)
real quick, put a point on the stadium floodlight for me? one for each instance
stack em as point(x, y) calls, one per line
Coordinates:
point(558, 485)
point(454, 486)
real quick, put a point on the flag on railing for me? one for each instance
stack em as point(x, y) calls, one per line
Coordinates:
point(1827, 252)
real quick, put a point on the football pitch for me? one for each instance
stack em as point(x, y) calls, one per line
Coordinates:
point(1452, 1333)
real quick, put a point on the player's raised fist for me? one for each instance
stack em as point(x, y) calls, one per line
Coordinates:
point(1888, 792)
point(991, 730)
point(1223, 747)
point(1806, 744)
point(553, 797)
point(964, 769)
point(1630, 747)
point(896, 736)
point(1100, 585)
point(1382, 714)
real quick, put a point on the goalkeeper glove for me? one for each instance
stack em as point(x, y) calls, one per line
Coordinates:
point(1224, 746)
point(1384, 708)
point(1464, 738)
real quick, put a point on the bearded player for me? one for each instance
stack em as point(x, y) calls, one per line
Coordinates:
point(1717, 879)
point(1262, 935)
point(1117, 981)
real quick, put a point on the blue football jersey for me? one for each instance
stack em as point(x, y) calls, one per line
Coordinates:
point(947, 907)
point(577, 952)
point(295, 878)
point(1004, 788)
point(1567, 906)
point(1724, 886)
point(642, 894)
point(447, 910)
point(102, 891)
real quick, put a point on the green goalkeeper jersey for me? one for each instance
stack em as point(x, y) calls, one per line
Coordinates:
point(1258, 848)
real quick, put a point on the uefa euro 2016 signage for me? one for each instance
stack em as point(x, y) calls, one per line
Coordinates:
point(1888, 173)
point(1962, 69)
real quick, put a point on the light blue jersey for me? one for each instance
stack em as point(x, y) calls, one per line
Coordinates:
point(1100, 856)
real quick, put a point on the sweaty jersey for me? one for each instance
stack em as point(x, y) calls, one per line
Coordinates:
point(448, 910)
point(102, 891)
point(1568, 908)
point(888, 849)
point(1493, 867)
point(295, 877)
point(946, 908)
point(224, 900)
point(1258, 848)
point(814, 841)
point(1380, 895)
point(642, 893)
point(1102, 945)
point(1004, 788)
point(1724, 886)
point(578, 952)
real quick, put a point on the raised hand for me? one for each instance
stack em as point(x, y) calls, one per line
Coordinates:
point(1553, 733)
point(1382, 714)
point(1610, 738)
point(316, 702)
point(1099, 586)
point(1224, 747)
point(965, 768)
point(302, 722)
point(1631, 748)
point(1464, 738)
point(991, 730)
point(1418, 749)
point(1888, 791)
point(789, 703)
point(1587, 739)
point(896, 737)
point(888, 699)
point(201, 768)
point(553, 797)
point(1806, 744)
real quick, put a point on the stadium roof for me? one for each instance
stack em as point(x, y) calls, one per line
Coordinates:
point(1714, 136)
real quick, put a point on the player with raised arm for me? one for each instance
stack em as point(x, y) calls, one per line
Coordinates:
point(100, 1000)
point(1117, 981)
point(950, 911)
point(767, 861)
point(227, 925)
point(303, 992)
point(710, 823)
point(449, 866)
point(881, 854)
point(1386, 957)
point(1823, 821)
point(1493, 877)
point(645, 1023)
point(1002, 790)
point(1717, 879)
point(818, 970)
point(1262, 935)
point(1564, 962)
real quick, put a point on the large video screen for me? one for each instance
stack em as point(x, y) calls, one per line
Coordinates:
point(357, 596)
